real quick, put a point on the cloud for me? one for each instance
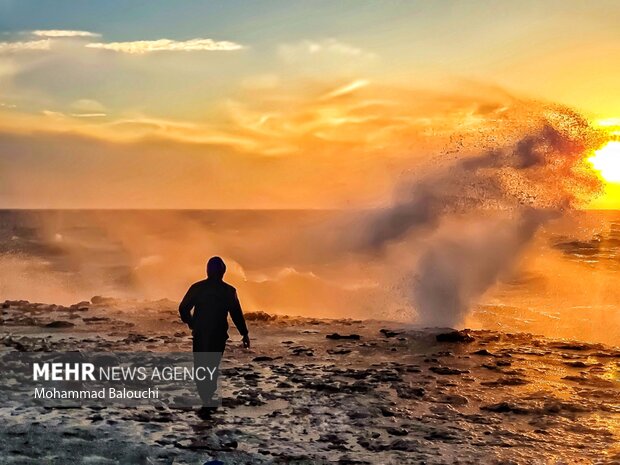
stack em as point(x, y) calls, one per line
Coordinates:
point(292, 52)
point(58, 33)
point(346, 89)
point(88, 106)
point(166, 45)
point(28, 45)
point(88, 115)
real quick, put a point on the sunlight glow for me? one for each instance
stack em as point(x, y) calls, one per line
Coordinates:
point(606, 161)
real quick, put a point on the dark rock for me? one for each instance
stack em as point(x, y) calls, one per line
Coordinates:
point(576, 364)
point(455, 336)
point(259, 316)
point(60, 324)
point(455, 399)
point(483, 352)
point(389, 333)
point(336, 336)
point(505, 407)
point(386, 412)
point(441, 435)
point(100, 300)
point(332, 438)
point(338, 351)
point(403, 445)
point(95, 319)
point(393, 431)
point(506, 381)
point(441, 370)
point(405, 392)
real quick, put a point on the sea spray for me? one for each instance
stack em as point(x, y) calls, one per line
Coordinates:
point(500, 197)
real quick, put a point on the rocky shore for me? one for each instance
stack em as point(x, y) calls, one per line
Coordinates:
point(314, 391)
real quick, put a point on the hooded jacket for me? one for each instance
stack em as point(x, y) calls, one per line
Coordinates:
point(212, 300)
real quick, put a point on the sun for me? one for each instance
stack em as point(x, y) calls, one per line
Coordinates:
point(606, 161)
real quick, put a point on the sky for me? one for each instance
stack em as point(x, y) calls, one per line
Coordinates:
point(274, 104)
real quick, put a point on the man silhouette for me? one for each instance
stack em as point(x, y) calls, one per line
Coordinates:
point(212, 300)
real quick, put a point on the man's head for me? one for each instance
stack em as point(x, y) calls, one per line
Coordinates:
point(216, 268)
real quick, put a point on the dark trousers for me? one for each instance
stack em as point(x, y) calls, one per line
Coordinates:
point(208, 352)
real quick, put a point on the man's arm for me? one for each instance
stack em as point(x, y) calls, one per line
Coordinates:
point(237, 316)
point(186, 306)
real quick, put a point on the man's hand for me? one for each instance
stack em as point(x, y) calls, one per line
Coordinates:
point(246, 342)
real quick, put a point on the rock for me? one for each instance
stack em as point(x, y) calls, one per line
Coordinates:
point(441, 435)
point(505, 407)
point(576, 364)
point(483, 352)
point(406, 392)
point(455, 336)
point(332, 438)
point(573, 346)
point(259, 316)
point(404, 445)
point(80, 306)
point(393, 431)
point(336, 336)
point(59, 324)
point(100, 300)
point(95, 319)
point(386, 411)
point(338, 351)
point(441, 370)
point(389, 333)
point(302, 351)
point(455, 399)
point(506, 381)
point(262, 358)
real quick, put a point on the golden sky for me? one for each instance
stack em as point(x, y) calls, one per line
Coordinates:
point(280, 104)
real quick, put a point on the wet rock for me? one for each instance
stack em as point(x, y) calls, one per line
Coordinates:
point(442, 435)
point(408, 392)
point(386, 411)
point(455, 336)
point(83, 306)
point(590, 381)
point(404, 445)
point(332, 438)
point(100, 300)
point(455, 399)
point(338, 351)
point(211, 442)
point(505, 381)
point(259, 316)
point(302, 351)
point(576, 346)
point(389, 333)
point(59, 324)
point(336, 336)
point(95, 319)
point(441, 370)
point(483, 352)
point(576, 364)
point(346, 460)
point(505, 407)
